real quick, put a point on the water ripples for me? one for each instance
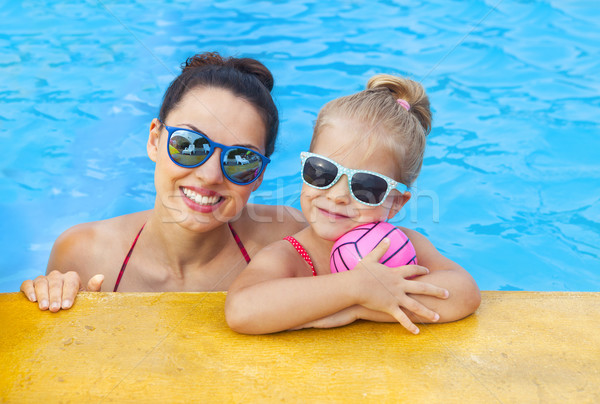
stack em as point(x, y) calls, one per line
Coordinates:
point(512, 161)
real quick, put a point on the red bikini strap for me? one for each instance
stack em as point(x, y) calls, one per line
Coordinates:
point(303, 253)
point(240, 244)
point(122, 271)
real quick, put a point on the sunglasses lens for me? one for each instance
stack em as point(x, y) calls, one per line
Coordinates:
point(369, 188)
point(318, 172)
point(188, 148)
point(242, 166)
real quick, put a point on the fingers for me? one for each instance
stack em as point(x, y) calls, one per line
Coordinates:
point(40, 285)
point(419, 309)
point(424, 288)
point(70, 287)
point(412, 271)
point(28, 290)
point(403, 319)
point(54, 291)
point(55, 287)
point(379, 251)
point(95, 283)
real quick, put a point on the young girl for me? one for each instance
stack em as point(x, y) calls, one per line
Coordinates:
point(289, 285)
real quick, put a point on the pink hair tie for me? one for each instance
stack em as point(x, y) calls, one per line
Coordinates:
point(404, 104)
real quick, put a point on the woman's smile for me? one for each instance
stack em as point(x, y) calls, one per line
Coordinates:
point(201, 200)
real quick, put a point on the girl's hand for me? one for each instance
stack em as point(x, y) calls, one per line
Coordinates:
point(386, 289)
point(57, 290)
point(341, 318)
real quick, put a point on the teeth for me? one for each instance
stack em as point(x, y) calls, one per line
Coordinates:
point(201, 199)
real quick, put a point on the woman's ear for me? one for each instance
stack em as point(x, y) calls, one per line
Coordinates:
point(257, 183)
point(398, 202)
point(153, 140)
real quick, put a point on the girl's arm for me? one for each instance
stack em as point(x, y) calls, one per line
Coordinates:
point(464, 296)
point(271, 296)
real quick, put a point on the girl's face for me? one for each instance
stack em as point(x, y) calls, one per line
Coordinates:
point(202, 197)
point(333, 211)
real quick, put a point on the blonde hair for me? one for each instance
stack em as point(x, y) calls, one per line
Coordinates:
point(389, 123)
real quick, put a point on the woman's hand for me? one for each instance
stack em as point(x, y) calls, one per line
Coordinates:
point(387, 289)
point(57, 290)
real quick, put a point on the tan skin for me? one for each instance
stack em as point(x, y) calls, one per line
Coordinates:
point(182, 247)
point(278, 292)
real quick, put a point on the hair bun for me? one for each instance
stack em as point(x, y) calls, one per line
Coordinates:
point(202, 60)
point(408, 90)
point(255, 68)
point(244, 65)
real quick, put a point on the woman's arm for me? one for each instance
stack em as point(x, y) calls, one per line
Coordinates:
point(271, 296)
point(68, 264)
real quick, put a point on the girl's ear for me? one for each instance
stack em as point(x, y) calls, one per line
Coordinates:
point(153, 140)
point(398, 202)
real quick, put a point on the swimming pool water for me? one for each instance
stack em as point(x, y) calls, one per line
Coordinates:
point(510, 184)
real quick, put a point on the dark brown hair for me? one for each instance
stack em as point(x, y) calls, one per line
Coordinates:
point(244, 77)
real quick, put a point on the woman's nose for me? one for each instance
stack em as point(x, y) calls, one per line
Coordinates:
point(210, 172)
point(340, 193)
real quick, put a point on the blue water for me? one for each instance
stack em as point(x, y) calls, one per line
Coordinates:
point(510, 184)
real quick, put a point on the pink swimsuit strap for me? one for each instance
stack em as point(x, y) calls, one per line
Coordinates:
point(122, 271)
point(302, 251)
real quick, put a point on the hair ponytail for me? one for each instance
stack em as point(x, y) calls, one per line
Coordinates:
point(410, 91)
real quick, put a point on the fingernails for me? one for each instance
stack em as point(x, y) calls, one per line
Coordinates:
point(436, 317)
point(416, 330)
point(44, 304)
point(66, 304)
point(446, 294)
point(32, 297)
point(54, 306)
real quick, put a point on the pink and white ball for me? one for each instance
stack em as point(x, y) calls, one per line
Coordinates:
point(353, 246)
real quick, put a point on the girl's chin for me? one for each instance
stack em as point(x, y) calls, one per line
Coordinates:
point(331, 234)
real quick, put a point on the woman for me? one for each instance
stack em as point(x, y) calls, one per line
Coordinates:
point(216, 128)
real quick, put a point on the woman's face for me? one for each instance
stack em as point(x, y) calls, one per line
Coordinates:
point(202, 197)
point(334, 211)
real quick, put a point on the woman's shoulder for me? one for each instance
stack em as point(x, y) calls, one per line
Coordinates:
point(89, 248)
point(104, 230)
point(265, 224)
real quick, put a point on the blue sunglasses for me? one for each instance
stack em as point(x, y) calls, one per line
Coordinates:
point(189, 149)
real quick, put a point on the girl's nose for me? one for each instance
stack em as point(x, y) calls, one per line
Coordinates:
point(210, 172)
point(340, 193)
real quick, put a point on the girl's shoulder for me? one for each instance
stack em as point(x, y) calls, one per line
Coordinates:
point(277, 260)
point(419, 241)
point(427, 254)
point(95, 247)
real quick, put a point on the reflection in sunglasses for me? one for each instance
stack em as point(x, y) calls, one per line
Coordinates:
point(188, 148)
